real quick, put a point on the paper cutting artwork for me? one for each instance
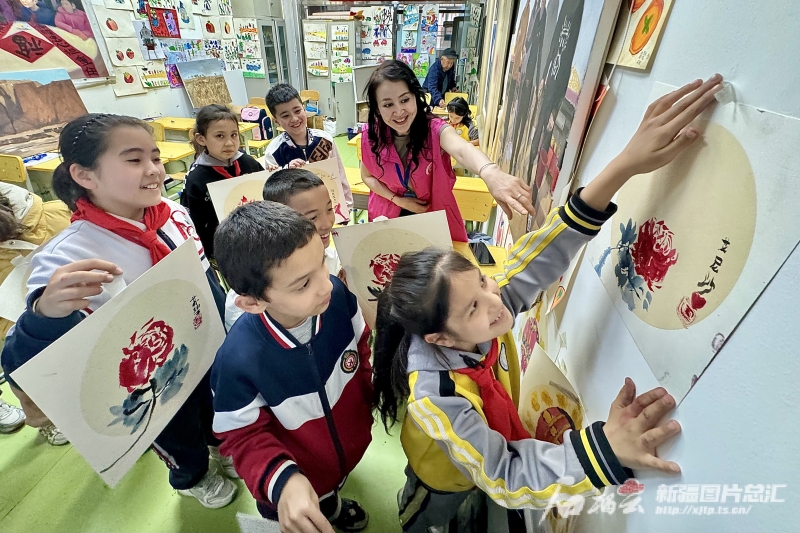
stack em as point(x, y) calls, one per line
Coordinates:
point(634, 44)
point(113, 382)
point(370, 252)
point(35, 106)
point(693, 244)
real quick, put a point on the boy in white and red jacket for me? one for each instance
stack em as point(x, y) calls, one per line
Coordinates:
point(292, 382)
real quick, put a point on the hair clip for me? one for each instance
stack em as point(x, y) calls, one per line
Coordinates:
point(85, 127)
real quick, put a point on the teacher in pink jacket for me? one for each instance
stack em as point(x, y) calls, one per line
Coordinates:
point(73, 20)
point(406, 151)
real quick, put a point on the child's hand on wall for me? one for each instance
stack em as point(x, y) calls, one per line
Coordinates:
point(71, 285)
point(298, 508)
point(634, 430)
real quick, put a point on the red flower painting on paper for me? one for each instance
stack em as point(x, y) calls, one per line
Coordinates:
point(653, 253)
point(383, 267)
point(148, 350)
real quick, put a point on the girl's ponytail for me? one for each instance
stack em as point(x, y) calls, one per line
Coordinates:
point(416, 302)
point(390, 361)
point(67, 189)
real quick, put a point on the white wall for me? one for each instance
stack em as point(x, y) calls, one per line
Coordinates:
point(164, 101)
point(740, 422)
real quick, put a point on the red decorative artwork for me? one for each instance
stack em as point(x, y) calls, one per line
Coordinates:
point(552, 424)
point(653, 253)
point(164, 22)
point(530, 338)
point(383, 267)
point(148, 351)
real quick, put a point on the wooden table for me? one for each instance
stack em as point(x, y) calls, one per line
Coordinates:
point(179, 128)
point(440, 111)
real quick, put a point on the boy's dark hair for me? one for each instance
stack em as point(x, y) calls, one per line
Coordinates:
point(205, 118)
point(460, 107)
point(281, 94)
point(254, 239)
point(284, 184)
point(416, 302)
point(380, 135)
point(82, 142)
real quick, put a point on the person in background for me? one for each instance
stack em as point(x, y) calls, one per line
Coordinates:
point(216, 142)
point(299, 144)
point(37, 12)
point(111, 177)
point(441, 77)
point(25, 223)
point(406, 154)
point(462, 121)
point(71, 18)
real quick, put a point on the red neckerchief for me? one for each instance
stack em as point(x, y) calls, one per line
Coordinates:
point(501, 413)
point(236, 170)
point(154, 218)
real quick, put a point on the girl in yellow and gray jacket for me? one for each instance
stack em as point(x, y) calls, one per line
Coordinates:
point(443, 349)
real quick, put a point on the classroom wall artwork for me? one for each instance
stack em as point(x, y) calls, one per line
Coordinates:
point(411, 17)
point(315, 32)
point(341, 69)
point(114, 23)
point(224, 7)
point(694, 244)
point(118, 4)
point(34, 107)
point(124, 52)
point(315, 50)
point(370, 252)
point(113, 382)
point(213, 48)
point(549, 406)
point(128, 82)
point(164, 22)
point(634, 43)
point(185, 16)
point(318, 67)
point(253, 68)
point(226, 27)
point(57, 37)
point(408, 42)
point(211, 27)
point(230, 54)
point(204, 82)
point(208, 7)
point(421, 65)
point(551, 78)
point(153, 74)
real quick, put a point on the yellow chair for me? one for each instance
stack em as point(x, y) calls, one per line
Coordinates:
point(427, 98)
point(450, 96)
point(12, 170)
point(257, 100)
point(258, 148)
point(474, 110)
point(158, 131)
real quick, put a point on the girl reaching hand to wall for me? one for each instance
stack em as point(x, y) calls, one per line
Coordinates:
point(443, 350)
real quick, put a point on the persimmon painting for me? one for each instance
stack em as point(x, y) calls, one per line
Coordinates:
point(639, 26)
point(114, 381)
point(693, 244)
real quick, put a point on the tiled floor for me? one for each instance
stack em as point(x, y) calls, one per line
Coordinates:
point(45, 488)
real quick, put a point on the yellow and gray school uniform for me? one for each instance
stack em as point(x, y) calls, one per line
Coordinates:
point(450, 447)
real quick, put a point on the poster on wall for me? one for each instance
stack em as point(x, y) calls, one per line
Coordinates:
point(370, 252)
point(173, 76)
point(224, 7)
point(164, 22)
point(153, 74)
point(316, 50)
point(340, 48)
point(475, 13)
point(429, 23)
point(204, 82)
point(550, 85)
point(428, 43)
point(411, 18)
point(213, 48)
point(341, 32)
point(37, 104)
point(113, 382)
point(472, 38)
point(341, 69)
point(253, 68)
point(408, 42)
point(226, 27)
point(211, 28)
point(128, 81)
point(124, 52)
point(634, 43)
point(421, 65)
point(315, 32)
point(186, 19)
point(209, 7)
point(162, 4)
point(230, 54)
point(694, 244)
point(318, 67)
point(246, 33)
point(114, 23)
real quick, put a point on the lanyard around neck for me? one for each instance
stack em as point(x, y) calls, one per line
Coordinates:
point(403, 176)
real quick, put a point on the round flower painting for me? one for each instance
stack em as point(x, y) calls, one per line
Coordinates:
point(683, 233)
point(140, 364)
